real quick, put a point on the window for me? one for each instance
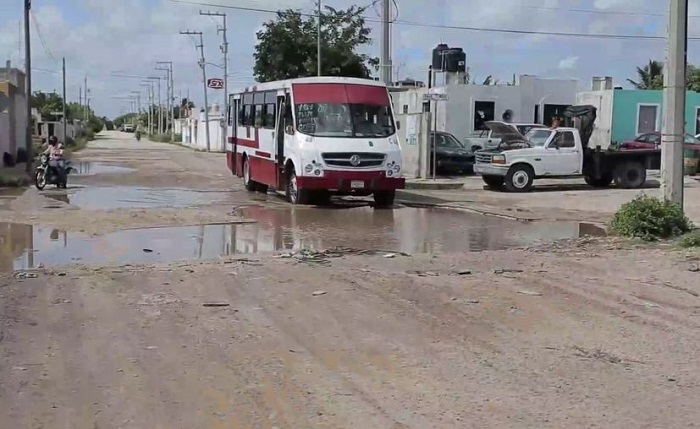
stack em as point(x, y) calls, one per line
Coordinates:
point(567, 140)
point(484, 111)
point(248, 115)
point(344, 120)
point(653, 138)
point(647, 115)
point(697, 120)
point(538, 136)
point(269, 116)
point(405, 108)
point(230, 112)
point(258, 120)
point(246, 112)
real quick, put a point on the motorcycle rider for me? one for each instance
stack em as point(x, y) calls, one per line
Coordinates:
point(54, 151)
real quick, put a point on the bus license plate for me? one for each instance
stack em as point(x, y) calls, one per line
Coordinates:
point(357, 184)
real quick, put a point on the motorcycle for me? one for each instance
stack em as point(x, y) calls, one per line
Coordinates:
point(52, 175)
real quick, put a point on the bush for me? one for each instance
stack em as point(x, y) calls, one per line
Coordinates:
point(650, 219)
point(691, 239)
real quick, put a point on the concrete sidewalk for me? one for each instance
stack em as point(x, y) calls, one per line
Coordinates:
point(550, 199)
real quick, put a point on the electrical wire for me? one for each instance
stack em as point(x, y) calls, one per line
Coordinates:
point(460, 27)
point(37, 27)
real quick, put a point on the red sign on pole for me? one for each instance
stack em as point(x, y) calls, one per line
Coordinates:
point(215, 83)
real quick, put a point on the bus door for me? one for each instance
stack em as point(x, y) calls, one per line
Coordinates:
point(233, 138)
point(279, 138)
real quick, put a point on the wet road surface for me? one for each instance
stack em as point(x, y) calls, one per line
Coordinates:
point(584, 334)
point(405, 229)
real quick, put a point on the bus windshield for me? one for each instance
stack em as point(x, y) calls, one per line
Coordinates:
point(344, 120)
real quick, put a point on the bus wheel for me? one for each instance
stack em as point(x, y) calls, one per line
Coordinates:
point(384, 199)
point(250, 185)
point(295, 195)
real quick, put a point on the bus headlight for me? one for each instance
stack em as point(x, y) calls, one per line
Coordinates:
point(308, 168)
point(397, 168)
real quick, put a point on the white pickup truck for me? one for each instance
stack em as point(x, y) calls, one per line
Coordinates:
point(560, 153)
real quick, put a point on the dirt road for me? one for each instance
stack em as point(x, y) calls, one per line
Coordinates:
point(151, 334)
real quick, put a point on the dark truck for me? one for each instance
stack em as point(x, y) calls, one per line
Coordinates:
point(561, 152)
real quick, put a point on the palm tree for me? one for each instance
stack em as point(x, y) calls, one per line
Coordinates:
point(651, 76)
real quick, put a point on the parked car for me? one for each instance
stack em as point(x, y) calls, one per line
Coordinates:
point(128, 128)
point(489, 139)
point(653, 141)
point(451, 155)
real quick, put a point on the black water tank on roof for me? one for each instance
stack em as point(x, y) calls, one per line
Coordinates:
point(456, 60)
point(438, 53)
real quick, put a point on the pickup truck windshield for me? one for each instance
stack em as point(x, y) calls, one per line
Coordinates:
point(538, 137)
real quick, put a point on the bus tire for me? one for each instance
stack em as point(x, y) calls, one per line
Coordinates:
point(295, 195)
point(384, 199)
point(630, 175)
point(250, 185)
point(520, 178)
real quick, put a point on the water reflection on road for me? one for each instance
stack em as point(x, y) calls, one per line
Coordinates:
point(413, 230)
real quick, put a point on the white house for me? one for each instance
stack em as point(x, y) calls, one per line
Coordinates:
point(531, 100)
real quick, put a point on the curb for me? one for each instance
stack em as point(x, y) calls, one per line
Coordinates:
point(434, 186)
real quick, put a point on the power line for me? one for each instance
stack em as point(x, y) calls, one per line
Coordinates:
point(41, 37)
point(470, 28)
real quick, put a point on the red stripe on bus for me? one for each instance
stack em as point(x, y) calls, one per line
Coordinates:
point(340, 93)
point(263, 154)
point(247, 143)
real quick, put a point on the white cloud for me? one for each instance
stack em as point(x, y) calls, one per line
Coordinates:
point(568, 63)
point(99, 37)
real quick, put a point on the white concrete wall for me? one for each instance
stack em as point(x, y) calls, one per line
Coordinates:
point(413, 137)
point(194, 132)
point(603, 101)
point(456, 115)
point(5, 133)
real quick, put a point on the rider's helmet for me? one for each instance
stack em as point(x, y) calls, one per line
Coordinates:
point(53, 140)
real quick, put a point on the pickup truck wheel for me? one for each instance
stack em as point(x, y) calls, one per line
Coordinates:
point(630, 175)
point(519, 178)
point(600, 182)
point(493, 182)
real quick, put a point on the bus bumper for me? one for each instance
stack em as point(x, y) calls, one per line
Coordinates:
point(352, 181)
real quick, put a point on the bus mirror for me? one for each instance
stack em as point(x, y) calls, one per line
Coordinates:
point(398, 125)
point(289, 129)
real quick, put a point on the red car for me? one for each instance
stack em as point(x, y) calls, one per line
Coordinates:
point(653, 141)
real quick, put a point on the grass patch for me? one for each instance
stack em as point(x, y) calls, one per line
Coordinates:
point(650, 219)
point(691, 239)
point(14, 177)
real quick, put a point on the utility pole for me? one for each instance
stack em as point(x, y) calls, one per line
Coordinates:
point(673, 128)
point(28, 84)
point(318, 39)
point(65, 132)
point(168, 112)
point(160, 106)
point(171, 97)
point(386, 42)
point(224, 50)
point(203, 65)
point(150, 105)
point(87, 101)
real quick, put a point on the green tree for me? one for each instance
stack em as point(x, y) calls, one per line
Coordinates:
point(46, 103)
point(287, 46)
point(650, 76)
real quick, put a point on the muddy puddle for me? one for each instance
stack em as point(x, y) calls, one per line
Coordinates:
point(413, 230)
point(88, 168)
point(128, 197)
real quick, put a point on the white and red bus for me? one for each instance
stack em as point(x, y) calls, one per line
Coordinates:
point(314, 137)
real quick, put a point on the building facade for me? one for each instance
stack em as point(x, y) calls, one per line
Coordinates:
point(468, 106)
point(625, 113)
point(13, 111)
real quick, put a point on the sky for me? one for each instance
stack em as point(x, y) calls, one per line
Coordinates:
point(101, 39)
